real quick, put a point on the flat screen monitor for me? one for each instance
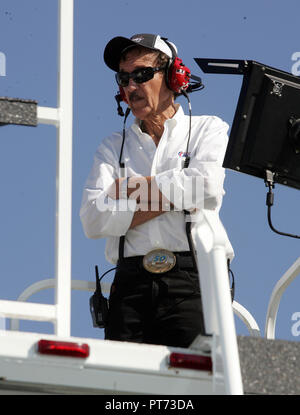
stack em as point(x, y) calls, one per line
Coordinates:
point(265, 134)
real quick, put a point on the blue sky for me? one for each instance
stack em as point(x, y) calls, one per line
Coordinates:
point(262, 30)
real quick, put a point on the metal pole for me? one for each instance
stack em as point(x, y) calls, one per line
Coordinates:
point(64, 169)
point(213, 247)
point(230, 354)
point(276, 295)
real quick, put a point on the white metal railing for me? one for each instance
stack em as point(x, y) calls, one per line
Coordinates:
point(82, 285)
point(213, 249)
point(62, 118)
point(276, 295)
point(247, 319)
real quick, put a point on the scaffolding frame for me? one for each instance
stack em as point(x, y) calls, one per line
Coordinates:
point(62, 118)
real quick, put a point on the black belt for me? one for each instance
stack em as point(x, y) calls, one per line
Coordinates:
point(191, 253)
point(183, 260)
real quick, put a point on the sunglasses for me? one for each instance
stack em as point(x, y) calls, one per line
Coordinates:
point(139, 75)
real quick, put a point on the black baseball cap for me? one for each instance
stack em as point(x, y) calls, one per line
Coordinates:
point(116, 46)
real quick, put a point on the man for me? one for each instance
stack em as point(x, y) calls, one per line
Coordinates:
point(142, 206)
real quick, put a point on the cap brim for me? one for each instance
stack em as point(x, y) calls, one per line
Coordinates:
point(114, 49)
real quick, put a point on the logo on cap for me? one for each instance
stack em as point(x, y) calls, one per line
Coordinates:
point(137, 39)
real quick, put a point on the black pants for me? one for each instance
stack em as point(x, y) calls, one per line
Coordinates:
point(151, 308)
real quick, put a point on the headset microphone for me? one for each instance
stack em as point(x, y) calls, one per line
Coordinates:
point(195, 86)
point(119, 99)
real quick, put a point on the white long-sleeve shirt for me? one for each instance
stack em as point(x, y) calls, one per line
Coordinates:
point(207, 147)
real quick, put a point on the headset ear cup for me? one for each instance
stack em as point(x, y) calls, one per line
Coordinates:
point(123, 96)
point(178, 76)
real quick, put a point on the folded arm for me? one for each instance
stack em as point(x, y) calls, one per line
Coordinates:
point(110, 210)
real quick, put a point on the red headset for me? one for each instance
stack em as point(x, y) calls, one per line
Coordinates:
point(178, 76)
point(122, 93)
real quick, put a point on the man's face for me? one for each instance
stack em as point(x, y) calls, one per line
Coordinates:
point(149, 98)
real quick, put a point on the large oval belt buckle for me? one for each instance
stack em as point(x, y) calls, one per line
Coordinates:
point(159, 260)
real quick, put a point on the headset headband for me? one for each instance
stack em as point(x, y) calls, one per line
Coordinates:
point(174, 52)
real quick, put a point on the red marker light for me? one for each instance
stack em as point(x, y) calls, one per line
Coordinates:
point(61, 348)
point(190, 361)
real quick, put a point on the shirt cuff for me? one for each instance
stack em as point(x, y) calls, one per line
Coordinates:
point(121, 213)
